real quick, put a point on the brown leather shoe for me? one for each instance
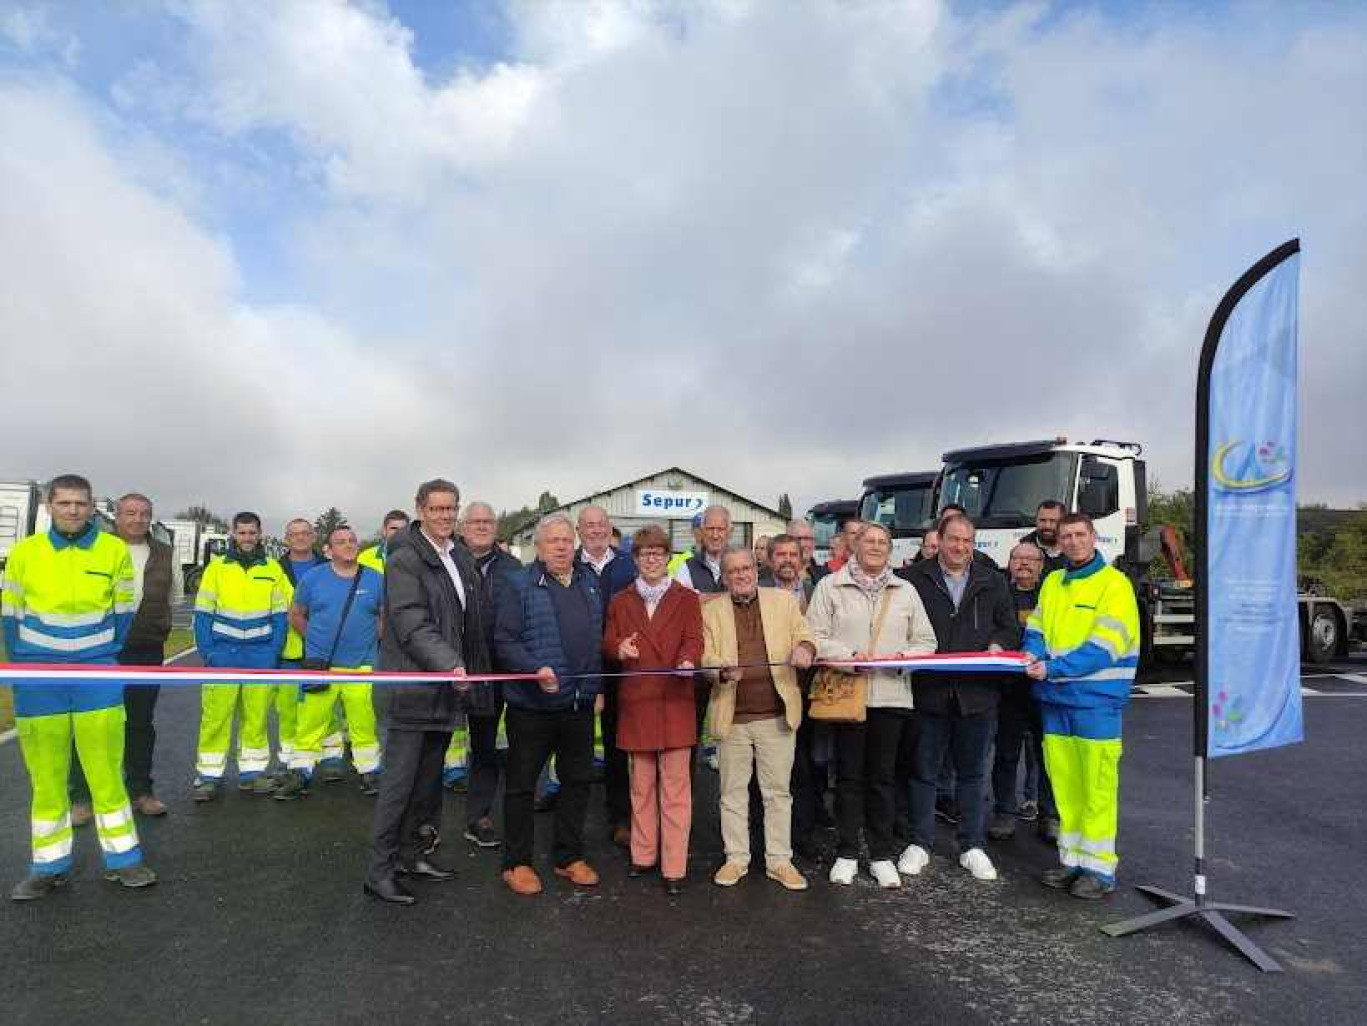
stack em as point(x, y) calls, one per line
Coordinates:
point(149, 805)
point(579, 873)
point(523, 880)
point(81, 813)
point(621, 835)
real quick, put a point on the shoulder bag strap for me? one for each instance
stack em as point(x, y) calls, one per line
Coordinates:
point(877, 629)
point(346, 608)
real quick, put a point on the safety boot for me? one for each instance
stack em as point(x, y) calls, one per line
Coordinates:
point(291, 786)
point(138, 875)
point(37, 885)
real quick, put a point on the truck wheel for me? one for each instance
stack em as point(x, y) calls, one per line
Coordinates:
point(1322, 637)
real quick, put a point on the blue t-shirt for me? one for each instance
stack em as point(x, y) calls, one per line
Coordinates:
point(301, 568)
point(322, 594)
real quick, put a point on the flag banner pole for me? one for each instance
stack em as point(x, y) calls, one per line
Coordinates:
point(1245, 585)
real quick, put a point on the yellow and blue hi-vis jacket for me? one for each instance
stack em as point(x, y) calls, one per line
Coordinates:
point(373, 557)
point(240, 610)
point(1086, 628)
point(67, 600)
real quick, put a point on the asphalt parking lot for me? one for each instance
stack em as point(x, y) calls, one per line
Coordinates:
point(259, 917)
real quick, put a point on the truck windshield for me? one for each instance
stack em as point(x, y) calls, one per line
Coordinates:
point(901, 509)
point(1006, 494)
point(823, 527)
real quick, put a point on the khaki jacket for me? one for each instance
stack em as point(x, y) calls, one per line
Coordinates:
point(784, 629)
point(841, 616)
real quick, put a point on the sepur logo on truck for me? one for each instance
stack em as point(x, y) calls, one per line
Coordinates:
point(652, 502)
point(1239, 466)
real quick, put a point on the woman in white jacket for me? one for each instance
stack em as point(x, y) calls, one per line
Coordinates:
point(842, 615)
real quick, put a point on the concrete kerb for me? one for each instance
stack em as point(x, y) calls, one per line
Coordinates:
point(13, 732)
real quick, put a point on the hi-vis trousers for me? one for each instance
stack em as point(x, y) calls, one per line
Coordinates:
point(217, 705)
point(316, 736)
point(1082, 749)
point(46, 745)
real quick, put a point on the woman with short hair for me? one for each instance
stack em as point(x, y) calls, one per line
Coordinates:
point(657, 623)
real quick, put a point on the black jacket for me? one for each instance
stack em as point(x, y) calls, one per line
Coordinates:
point(986, 616)
point(492, 576)
point(427, 629)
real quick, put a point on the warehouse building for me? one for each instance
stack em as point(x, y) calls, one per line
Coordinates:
point(670, 499)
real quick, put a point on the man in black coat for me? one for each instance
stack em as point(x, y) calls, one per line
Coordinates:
point(433, 622)
point(479, 533)
point(971, 611)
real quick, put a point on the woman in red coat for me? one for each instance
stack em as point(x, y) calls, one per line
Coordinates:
point(657, 623)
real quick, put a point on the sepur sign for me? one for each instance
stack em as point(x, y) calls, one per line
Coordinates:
point(654, 502)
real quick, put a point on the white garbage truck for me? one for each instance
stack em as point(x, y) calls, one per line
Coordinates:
point(1001, 487)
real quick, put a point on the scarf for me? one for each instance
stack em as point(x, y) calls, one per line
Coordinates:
point(651, 594)
point(871, 585)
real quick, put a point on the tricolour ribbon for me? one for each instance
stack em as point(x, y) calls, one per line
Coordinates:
point(61, 673)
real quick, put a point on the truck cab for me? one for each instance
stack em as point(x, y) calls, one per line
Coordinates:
point(1001, 486)
point(905, 505)
point(826, 519)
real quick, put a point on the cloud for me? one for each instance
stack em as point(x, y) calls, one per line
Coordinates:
point(787, 246)
point(129, 355)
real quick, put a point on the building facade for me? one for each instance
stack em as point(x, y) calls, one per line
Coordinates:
point(670, 499)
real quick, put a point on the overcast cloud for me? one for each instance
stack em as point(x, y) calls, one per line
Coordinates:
point(256, 255)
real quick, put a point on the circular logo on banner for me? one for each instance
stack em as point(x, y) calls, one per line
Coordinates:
point(1242, 467)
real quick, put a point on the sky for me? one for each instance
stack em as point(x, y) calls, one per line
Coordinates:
point(290, 254)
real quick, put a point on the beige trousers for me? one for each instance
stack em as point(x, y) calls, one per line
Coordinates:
point(766, 746)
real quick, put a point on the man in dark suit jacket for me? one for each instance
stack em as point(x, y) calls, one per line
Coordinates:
point(433, 622)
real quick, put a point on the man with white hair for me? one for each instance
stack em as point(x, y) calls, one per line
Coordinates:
point(612, 572)
point(702, 572)
point(471, 764)
point(550, 623)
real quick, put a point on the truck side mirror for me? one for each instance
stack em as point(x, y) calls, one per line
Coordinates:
point(1098, 493)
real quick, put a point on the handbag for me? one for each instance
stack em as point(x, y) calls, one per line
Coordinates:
point(317, 687)
point(844, 697)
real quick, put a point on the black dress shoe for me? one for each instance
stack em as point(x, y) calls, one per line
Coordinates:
point(389, 890)
point(427, 871)
point(634, 871)
point(674, 887)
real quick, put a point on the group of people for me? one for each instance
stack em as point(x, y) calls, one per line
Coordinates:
point(633, 652)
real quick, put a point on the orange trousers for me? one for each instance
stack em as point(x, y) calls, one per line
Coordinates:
point(661, 810)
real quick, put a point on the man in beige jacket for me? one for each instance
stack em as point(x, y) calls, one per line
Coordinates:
point(760, 639)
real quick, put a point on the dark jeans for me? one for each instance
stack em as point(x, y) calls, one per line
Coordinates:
point(1018, 722)
point(483, 776)
point(865, 771)
point(410, 797)
point(906, 760)
point(616, 768)
point(139, 732)
point(533, 737)
point(966, 740)
point(809, 777)
point(702, 695)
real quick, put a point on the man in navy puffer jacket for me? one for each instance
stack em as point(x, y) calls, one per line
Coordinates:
point(550, 623)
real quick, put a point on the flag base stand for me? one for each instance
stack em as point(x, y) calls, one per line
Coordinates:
point(1211, 913)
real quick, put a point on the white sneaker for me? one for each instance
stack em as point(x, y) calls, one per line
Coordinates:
point(913, 860)
point(975, 860)
point(843, 871)
point(885, 873)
